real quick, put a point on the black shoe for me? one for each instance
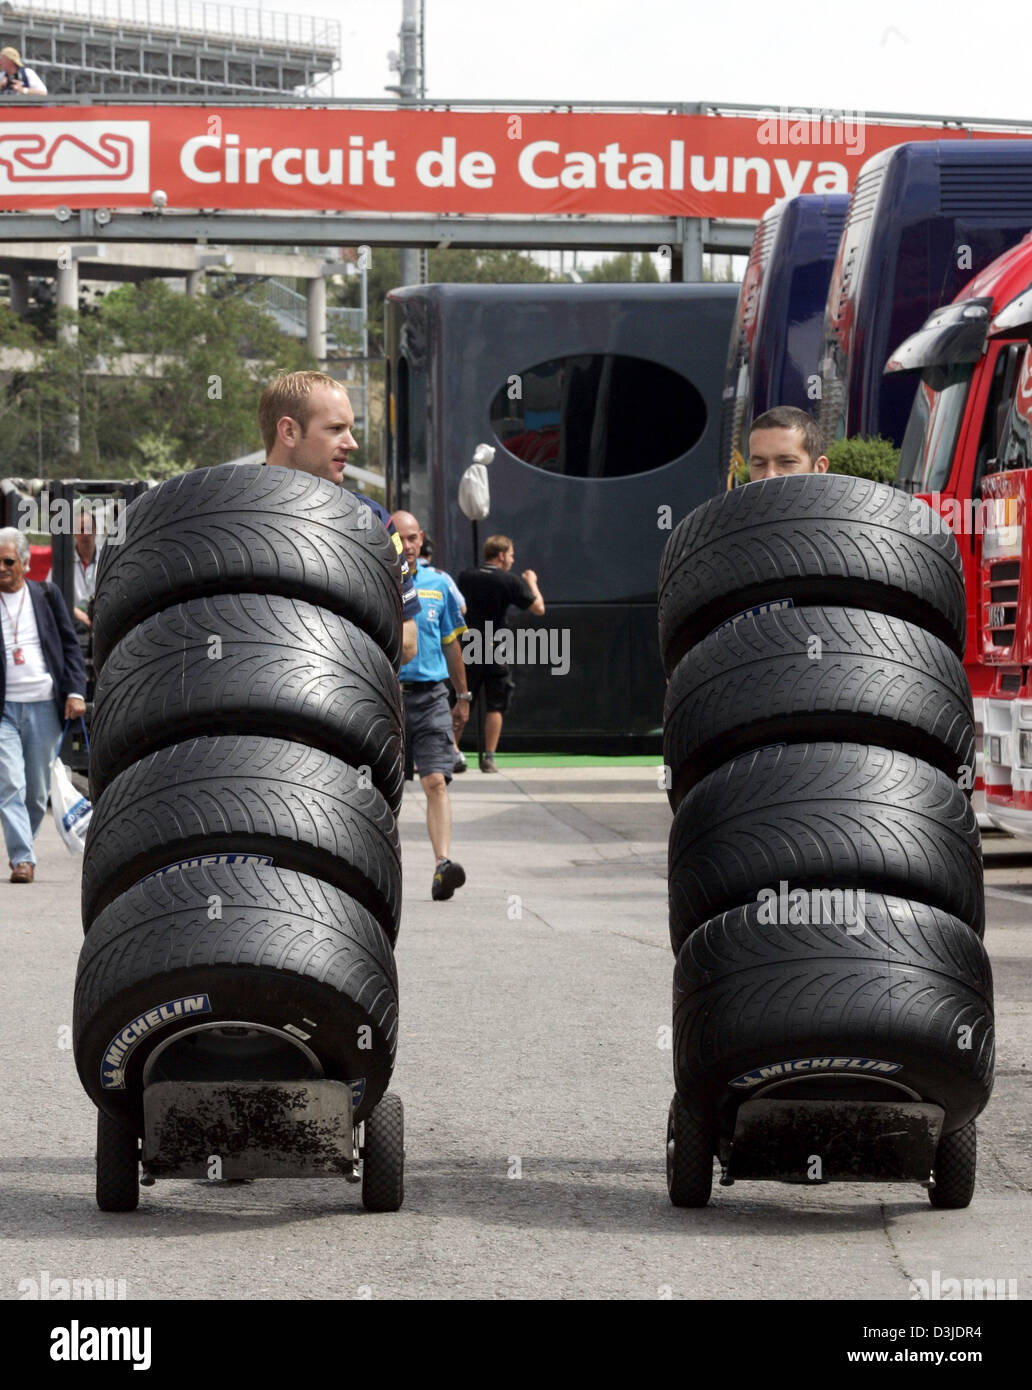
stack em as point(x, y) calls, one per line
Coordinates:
point(460, 763)
point(447, 877)
point(487, 763)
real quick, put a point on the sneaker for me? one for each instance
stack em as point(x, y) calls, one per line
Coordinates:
point(22, 873)
point(447, 877)
point(459, 765)
point(487, 763)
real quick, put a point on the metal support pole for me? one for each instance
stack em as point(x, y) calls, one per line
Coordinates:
point(483, 656)
point(68, 296)
point(691, 253)
point(411, 87)
point(364, 306)
point(19, 281)
point(316, 297)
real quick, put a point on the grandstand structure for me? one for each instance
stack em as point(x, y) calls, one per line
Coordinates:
point(169, 48)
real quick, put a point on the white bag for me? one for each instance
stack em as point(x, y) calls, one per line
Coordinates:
point(71, 811)
point(475, 493)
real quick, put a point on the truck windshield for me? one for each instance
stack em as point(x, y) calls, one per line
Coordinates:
point(1016, 445)
point(926, 456)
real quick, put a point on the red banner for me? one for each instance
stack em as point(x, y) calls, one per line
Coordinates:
point(398, 161)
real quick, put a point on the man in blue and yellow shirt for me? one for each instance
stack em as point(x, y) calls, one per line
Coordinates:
point(429, 724)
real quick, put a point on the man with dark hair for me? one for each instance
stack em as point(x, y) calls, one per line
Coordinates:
point(489, 592)
point(306, 421)
point(785, 440)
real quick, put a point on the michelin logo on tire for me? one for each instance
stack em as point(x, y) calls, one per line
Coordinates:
point(112, 1068)
point(802, 1065)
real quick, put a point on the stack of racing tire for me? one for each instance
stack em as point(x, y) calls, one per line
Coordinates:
point(241, 887)
point(818, 736)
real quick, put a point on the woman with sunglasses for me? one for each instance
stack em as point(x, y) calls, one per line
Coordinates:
point(42, 677)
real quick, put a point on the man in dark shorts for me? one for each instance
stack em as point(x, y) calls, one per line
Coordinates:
point(489, 591)
point(429, 725)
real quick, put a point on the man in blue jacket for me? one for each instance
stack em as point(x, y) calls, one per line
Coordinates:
point(42, 679)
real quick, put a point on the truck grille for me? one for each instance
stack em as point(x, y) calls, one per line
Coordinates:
point(1004, 581)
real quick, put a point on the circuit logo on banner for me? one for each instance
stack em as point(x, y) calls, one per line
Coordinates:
point(583, 163)
point(74, 157)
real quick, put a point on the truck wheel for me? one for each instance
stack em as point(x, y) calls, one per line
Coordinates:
point(249, 664)
point(955, 1162)
point(294, 806)
point(383, 1156)
point(823, 815)
point(233, 972)
point(807, 674)
point(689, 1155)
point(118, 1166)
point(903, 986)
point(250, 529)
point(809, 540)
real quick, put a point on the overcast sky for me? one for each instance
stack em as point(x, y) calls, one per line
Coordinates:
point(921, 56)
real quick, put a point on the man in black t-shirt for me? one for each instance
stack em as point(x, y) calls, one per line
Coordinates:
point(489, 592)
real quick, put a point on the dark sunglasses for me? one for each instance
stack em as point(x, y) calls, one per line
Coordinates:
point(8, 562)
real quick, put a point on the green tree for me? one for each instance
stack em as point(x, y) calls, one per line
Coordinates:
point(624, 268)
point(158, 382)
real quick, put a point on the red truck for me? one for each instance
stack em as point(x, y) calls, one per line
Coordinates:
point(971, 355)
point(1005, 616)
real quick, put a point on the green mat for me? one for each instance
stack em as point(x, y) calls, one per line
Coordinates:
point(515, 760)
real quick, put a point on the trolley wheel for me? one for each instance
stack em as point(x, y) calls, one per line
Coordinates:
point(383, 1156)
point(689, 1155)
point(118, 1166)
point(955, 1161)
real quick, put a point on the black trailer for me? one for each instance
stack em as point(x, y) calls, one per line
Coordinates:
point(603, 403)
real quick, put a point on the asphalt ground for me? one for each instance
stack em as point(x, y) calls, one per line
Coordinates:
point(536, 1072)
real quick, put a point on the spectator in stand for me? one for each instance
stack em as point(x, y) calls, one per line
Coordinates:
point(489, 591)
point(16, 79)
point(42, 678)
point(87, 554)
point(783, 441)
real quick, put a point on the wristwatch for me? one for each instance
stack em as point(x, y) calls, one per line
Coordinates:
point(466, 697)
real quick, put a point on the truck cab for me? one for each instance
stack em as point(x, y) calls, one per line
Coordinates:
point(968, 356)
point(775, 343)
point(1005, 612)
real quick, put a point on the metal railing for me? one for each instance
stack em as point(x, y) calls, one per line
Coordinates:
point(291, 311)
point(197, 17)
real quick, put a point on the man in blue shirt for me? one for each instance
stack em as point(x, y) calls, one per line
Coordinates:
point(430, 727)
point(306, 421)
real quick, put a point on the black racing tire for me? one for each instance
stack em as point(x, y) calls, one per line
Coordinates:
point(810, 540)
point(956, 1161)
point(249, 664)
point(690, 1146)
point(248, 528)
point(823, 815)
point(383, 1156)
point(911, 988)
point(118, 1165)
point(293, 806)
point(297, 962)
point(805, 674)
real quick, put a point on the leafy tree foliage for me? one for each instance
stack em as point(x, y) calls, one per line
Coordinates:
point(155, 382)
